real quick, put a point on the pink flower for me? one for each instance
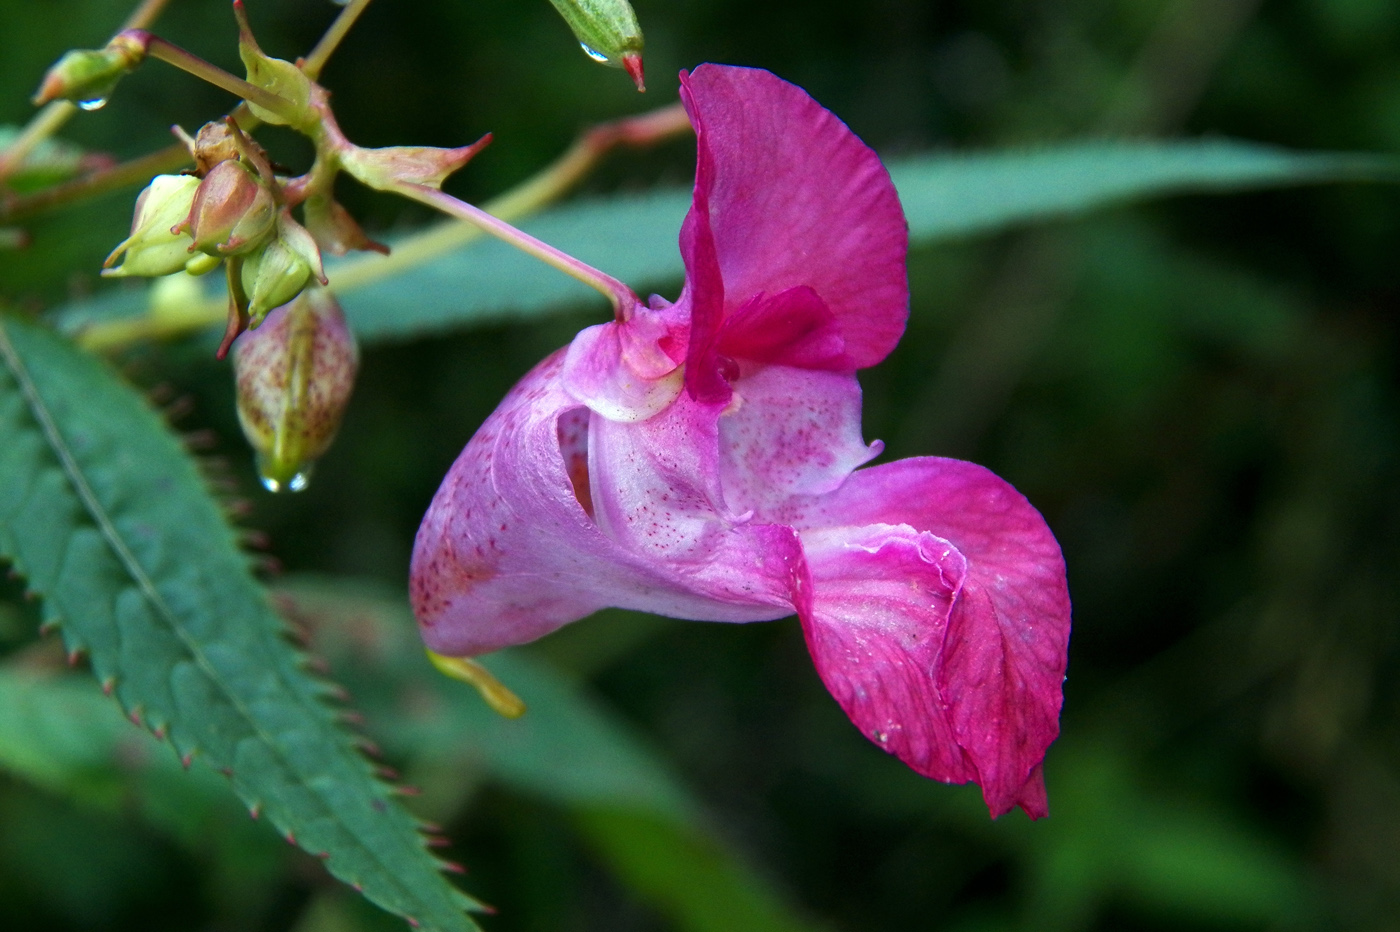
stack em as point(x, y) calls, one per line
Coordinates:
point(698, 460)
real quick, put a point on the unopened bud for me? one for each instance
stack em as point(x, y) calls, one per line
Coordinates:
point(294, 376)
point(88, 76)
point(233, 211)
point(277, 75)
point(608, 31)
point(382, 168)
point(152, 249)
point(272, 276)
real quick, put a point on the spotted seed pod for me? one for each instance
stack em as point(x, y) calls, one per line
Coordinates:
point(294, 375)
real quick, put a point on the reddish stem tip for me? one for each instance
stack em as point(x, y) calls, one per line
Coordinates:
point(633, 63)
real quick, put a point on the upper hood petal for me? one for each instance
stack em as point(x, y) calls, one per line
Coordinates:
point(790, 197)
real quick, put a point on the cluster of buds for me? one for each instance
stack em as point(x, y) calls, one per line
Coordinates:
point(231, 207)
point(294, 372)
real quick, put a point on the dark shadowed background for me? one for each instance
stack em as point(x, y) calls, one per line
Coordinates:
point(1199, 394)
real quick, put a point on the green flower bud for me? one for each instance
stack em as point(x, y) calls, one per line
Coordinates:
point(279, 76)
point(88, 76)
point(608, 32)
point(382, 168)
point(152, 248)
point(233, 211)
point(272, 276)
point(294, 376)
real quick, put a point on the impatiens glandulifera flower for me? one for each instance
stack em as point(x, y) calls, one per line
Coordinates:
point(699, 460)
point(294, 375)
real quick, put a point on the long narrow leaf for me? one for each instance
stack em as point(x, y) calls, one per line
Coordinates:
point(945, 196)
point(109, 521)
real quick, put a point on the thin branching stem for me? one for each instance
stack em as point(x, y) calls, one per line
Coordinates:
point(317, 58)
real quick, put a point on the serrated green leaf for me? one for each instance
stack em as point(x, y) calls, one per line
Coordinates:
point(109, 521)
point(60, 734)
point(633, 237)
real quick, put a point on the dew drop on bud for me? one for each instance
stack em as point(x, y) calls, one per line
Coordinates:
point(92, 103)
point(594, 54)
point(293, 376)
point(276, 480)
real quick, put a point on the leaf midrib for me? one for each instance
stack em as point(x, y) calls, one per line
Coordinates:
point(39, 411)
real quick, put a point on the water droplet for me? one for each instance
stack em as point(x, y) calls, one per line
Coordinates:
point(594, 54)
point(92, 103)
point(276, 481)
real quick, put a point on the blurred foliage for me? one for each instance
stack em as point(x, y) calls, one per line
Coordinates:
point(1200, 395)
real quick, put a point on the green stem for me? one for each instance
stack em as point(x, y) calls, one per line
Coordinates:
point(616, 292)
point(525, 199)
point(313, 63)
point(135, 171)
point(172, 54)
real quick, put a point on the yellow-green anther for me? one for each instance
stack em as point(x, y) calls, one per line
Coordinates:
point(608, 31)
point(88, 76)
point(152, 249)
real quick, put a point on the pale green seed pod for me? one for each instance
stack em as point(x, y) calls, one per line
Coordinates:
point(294, 375)
point(608, 31)
point(272, 276)
point(152, 249)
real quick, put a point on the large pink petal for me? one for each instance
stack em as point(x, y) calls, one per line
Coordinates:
point(996, 675)
point(790, 197)
point(656, 492)
point(789, 432)
point(875, 621)
point(509, 551)
point(790, 328)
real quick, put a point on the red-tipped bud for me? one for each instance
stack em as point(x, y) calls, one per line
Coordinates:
point(632, 64)
point(382, 168)
point(608, 32)
point(294, 376)
point(234, 211)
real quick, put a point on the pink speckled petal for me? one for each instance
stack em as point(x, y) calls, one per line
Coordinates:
point(508, 551)
point(789, 432)
point(656, 492)
point(999, 669)
point(790, 198)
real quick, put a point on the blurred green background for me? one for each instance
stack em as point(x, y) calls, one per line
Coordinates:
point(1199, 394)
